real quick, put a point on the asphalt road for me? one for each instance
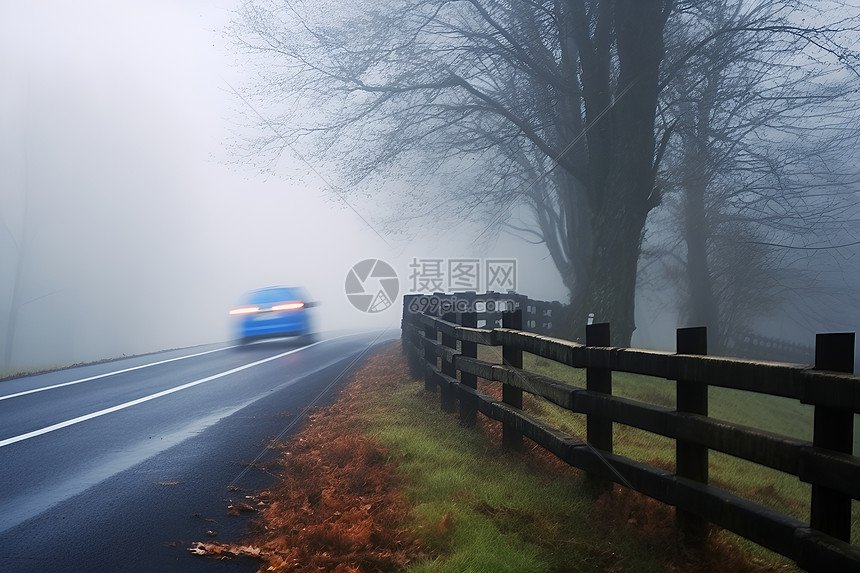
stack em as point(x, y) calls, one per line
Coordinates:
point(120, 466)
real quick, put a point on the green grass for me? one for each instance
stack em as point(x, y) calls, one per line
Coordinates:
point(508, 517)
point(481, 509)
point(772, 488)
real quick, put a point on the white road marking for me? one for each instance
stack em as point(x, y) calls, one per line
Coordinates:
point(106, 374)
point(118, 407)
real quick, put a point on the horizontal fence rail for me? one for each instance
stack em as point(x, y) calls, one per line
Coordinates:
point(443, 346)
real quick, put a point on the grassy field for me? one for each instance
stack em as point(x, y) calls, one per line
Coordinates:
point(780, 491)
point(479, 508)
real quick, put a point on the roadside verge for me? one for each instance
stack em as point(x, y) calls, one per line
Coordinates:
point(383, 480)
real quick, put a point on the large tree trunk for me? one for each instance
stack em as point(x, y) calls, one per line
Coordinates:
point(702, 308)
point(622, 162)
point(612, 275)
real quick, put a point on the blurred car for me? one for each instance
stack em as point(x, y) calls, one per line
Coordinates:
point(273, 312)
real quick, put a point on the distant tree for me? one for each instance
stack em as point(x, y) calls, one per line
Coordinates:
point(16, 271)
point(762, 130)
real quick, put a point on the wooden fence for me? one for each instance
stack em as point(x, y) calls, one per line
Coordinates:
point(539, 316)
point(445, 347)
point(750, 345)
point(553, 319)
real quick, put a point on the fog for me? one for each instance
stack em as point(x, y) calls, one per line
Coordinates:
point(129, 225)
point(126, 228)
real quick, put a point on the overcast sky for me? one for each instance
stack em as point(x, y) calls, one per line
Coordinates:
point(133, 229)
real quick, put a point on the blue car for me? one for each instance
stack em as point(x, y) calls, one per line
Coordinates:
point(273, 312)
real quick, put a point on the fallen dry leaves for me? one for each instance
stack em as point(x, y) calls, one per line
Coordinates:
point(338, 506)
point(221, 550)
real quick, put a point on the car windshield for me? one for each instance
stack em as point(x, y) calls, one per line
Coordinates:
point(277, 294)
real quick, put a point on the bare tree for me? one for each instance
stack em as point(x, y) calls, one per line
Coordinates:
point(571, 83)
point(761, 125)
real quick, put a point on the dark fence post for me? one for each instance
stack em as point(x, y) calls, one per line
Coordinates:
point(530, 315)
point(431, 333)
point(834, 430)
point(598, 428)
point(408, 327)
point(407, 298)
point(485, 314)
point(523, 303)
point(512, 356)
point(448, 395)
point(691, 460)
point(468, 403)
